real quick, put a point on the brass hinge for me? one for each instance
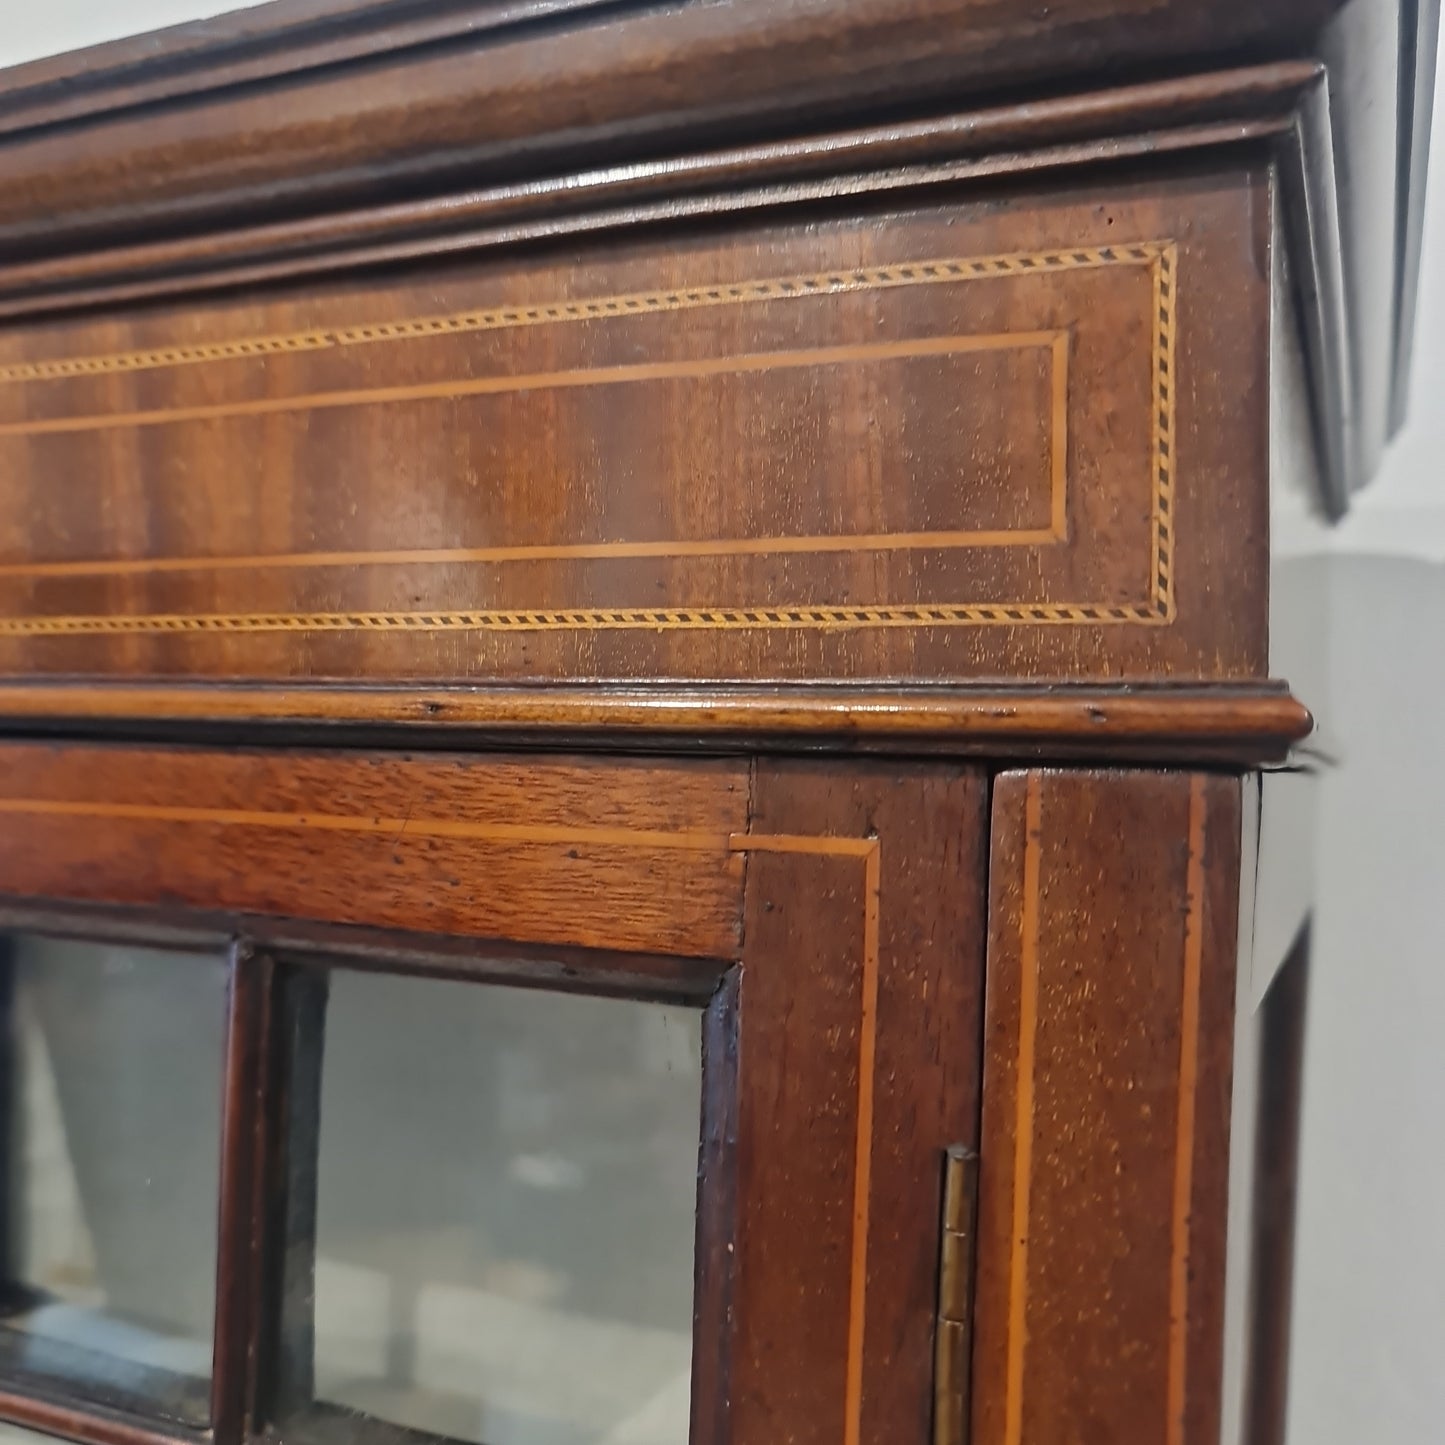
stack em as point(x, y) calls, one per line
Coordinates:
point(954, 1331)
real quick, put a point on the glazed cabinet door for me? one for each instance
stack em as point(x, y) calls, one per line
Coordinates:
point(508, 1100)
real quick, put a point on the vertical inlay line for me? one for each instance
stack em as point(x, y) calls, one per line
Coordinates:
point(1163, 529)
point(1059, 446)
point(1023, 1115)
point(1184, 1130)
point(863, 1155)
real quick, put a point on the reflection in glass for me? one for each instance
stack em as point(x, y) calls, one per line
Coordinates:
point(113, 1060)
point(505, 1210)
point(16, 1435)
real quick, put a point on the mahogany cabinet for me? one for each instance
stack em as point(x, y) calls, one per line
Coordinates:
point(637, 654)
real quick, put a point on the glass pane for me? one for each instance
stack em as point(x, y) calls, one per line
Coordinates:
point(112, 1130)
point(505, 1211)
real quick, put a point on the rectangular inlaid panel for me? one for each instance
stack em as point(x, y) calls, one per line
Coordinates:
point(958, 441)
point(616, 855)
point(1108, 1032)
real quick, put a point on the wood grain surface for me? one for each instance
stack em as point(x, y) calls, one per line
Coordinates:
point(1107, 1065)
point(614, 855)
point(859, 1008)
point(942, 444)
point(355, 104)
point(1240, 722)
point(1250, 106)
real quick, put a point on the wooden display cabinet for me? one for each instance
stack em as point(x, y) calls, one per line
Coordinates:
point(636, 652)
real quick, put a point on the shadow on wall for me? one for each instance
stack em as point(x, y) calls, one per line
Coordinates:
point(1369, 1316)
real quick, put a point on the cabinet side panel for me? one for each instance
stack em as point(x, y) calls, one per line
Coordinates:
point(1105, 1119)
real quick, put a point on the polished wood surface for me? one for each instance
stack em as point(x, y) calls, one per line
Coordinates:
point(585, 86)
point(560, 471)
point(622, 855)
point(841, 1035)
point(760, 507)
point(310, 134)
point(860, 997)
point(1242, 723)
point(1107, 1048)
point(1239, 109)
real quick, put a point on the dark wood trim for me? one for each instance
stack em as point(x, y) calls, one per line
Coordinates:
point(716, 1249)
point(1017, 139)
point(240, 1102)
point(390, 95)
point(1281, 1047)
point(656, 978)
point(245, 47)
point(288, 38)
point(562, 968)
point(308, 135)
point(146, 927)
point(267, 1144)
point(285, 1331)
point(1245, 722)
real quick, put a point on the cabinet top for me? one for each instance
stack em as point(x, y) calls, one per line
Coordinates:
point(722, 344)
point(310, 110)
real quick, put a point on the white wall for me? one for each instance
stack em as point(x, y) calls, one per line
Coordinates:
point(1368, 1360)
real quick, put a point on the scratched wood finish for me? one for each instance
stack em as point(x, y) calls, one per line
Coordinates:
point(858, 1064)
point(1244, 723)
point(1107, 1068)
point(939, 443)
point(618, 855)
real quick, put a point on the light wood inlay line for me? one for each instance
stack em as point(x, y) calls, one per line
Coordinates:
point(863, 1157)
point(867, 849)
point(839, 281)
point(1059, 440)
point(396, 828)
point(1162, 515)
point(1177, 1393)
point(1023, 1115)
point(562, 552)
point(457, 388)
point(784, 616)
